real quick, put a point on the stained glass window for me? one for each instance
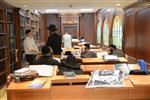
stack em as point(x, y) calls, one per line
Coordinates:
point(117, 32)
point(106, 33)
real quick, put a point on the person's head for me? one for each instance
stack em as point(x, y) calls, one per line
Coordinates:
point(52, 28)
point(111, 49)
point(86, 47)
point(46, 50)
point(28, 32)
point(68, 53)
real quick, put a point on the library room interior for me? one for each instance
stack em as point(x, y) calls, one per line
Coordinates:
point(74, 50)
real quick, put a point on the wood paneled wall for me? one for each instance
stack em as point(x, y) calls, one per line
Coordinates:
point(48, 19)
point(87, 26)
point(137, 30)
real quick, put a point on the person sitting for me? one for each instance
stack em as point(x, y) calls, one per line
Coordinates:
point(46, 58)
point(86, 53)
point(112, 50)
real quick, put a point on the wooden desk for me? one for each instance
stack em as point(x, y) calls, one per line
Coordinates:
point(90, 68)
point(70, 89)
point(21, 91)
point(141, 89)
point(119, 93)
point(59, 88)
point(102, 61)
point(74, 89)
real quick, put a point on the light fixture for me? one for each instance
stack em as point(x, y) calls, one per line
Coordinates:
point(51, 10)
point(86, 10)
point(25, 6)
point(118, 4)
point(108, 9)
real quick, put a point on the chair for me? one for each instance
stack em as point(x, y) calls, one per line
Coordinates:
point(142, 64)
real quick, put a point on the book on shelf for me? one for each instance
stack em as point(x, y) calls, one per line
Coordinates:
point(69, 75)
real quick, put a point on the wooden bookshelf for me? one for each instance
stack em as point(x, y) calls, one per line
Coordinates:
point(3, 48)
point(11, 40)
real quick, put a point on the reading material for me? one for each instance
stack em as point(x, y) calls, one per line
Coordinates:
point(37, 83)
point(122, 67)
point(22, 72)
point(106, 78)
point(110, 58)
point(69, 75)
point(42, 70)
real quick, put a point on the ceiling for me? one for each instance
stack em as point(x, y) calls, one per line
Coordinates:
point(67, 6)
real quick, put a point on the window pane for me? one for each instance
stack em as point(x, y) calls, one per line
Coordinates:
point(98, 33)
point(117, 32)
point(106, 33)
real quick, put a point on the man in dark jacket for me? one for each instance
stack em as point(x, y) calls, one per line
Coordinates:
point(54, 40)
point(46, 58)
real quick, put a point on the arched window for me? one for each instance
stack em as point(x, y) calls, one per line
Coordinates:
point(117, 32)
point(106, 33)
point(99, 33)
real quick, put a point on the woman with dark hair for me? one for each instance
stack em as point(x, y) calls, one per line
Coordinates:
point(54, 40)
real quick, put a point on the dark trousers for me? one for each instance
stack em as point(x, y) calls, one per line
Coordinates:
point(30, 58)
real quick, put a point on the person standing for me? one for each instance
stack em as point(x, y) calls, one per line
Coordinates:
point(67, 39)
point(30, 48)
point(54, 40)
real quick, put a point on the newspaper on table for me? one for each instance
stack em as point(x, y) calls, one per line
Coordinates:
point(106, 78)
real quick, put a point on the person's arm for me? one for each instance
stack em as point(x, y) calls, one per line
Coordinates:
point(29, 47)
point(48, 42)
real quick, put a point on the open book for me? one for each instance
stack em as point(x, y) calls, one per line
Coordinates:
point(43, 70)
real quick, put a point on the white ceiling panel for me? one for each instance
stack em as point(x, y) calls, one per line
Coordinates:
point(69, 5)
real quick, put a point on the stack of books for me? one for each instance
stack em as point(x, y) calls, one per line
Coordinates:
point(22, 72)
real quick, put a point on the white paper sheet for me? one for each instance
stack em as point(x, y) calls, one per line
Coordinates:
point(42, 70)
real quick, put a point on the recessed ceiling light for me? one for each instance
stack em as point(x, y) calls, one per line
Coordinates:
point(51, 10)
point(118, 4)
point(108, 9)
point(86, 10)
point(25, 6)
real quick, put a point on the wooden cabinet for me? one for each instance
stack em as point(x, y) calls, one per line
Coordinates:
point(3, 49)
